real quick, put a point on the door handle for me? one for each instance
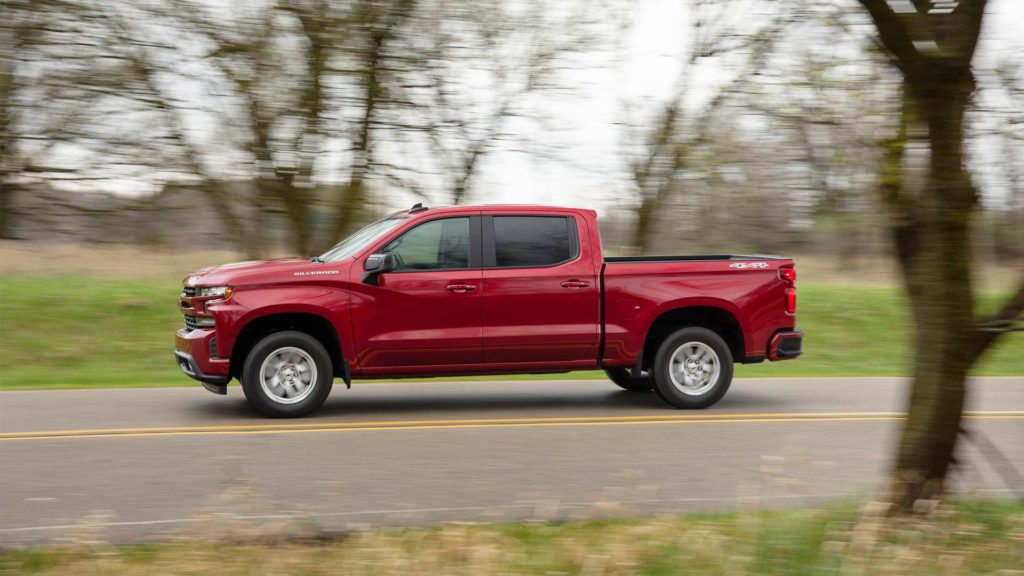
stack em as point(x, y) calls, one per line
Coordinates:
point(575, 283)
point(461, 288)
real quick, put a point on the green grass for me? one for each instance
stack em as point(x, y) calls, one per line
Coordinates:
point(971, 538)
point(77, 331)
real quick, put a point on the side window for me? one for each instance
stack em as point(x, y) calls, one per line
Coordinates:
point(436, 245)
point(522, 241)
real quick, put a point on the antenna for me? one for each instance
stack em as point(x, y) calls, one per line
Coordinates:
point(417, 207)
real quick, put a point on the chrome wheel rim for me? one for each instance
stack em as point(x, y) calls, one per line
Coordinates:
point(694, 368)
point(288, 375)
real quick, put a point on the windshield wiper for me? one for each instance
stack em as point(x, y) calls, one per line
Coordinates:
point(317, 259)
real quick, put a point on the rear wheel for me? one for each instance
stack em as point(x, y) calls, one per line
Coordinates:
point(623, 379)
point(693, 368)
point(287, 374)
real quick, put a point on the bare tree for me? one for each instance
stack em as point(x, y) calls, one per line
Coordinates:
point(659, 149)
point(289, 79)
point(829, 101)
point(480, 65)
point(932, 44)
point(77, 113)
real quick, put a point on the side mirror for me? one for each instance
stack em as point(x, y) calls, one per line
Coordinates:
point(376, 265)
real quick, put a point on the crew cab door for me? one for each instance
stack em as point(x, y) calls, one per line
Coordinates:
point(425, 313)
point(540, 291)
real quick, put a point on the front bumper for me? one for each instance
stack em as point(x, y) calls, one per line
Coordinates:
point(192, 352)
point(786, 345)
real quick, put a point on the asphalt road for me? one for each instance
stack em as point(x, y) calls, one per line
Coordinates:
point(149, 464)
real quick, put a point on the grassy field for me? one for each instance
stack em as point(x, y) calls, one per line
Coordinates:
point(85, 331)
point(976, 538)
point(91, 316)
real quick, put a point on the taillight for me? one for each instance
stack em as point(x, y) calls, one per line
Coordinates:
point(788, 274)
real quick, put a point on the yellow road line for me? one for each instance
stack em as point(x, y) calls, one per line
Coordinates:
point(393, 423)
point(314, 424)
point(510, 423)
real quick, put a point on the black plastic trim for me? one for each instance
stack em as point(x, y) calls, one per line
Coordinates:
point(790, 346)
point(476, 241)
point(638, 370)
point(188, 365)
point(221, 389)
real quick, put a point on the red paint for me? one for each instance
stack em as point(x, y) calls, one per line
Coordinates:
point(490, 320)
point(415, 319)
point(548, 314)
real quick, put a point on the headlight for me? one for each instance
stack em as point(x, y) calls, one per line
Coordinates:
point(223, 292)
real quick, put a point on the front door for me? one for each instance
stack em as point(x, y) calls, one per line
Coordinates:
point(541, 294)
point(426, 313)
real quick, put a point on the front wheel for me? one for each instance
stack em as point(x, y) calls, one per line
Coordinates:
point(287, 374)
point(693, 368)
point(623, 379)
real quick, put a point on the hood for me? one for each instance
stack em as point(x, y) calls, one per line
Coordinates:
point(258, 271)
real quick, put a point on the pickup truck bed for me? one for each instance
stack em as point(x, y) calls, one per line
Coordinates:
point(692, 258)
point(738, 296)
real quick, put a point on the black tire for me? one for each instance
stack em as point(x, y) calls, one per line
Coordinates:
point(623, 379)
point(700, 345)
point(286, 343)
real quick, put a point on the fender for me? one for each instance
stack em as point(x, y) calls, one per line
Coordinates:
point(705, 301)
point(325, 301)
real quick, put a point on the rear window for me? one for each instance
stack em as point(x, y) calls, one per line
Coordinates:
point(521, 241)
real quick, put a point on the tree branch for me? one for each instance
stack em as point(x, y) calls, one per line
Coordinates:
point(892, 32)
point(990, 329)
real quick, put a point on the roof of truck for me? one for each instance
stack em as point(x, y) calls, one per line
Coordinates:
point(418, 208)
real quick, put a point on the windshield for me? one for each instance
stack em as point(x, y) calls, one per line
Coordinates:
point(361, 239)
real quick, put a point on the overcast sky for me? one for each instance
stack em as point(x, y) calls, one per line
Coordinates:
point(593, 176)
point(588, 169)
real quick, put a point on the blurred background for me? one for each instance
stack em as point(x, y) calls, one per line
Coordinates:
point(277, 127)
point(144, 139)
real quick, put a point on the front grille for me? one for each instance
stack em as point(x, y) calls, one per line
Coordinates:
point(189, 291)
point(213, 347)
point(191, 323)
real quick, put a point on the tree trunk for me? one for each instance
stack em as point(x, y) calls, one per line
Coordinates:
point(296, 203)
point(7, 211)
point(644, 220)
point(936, 265)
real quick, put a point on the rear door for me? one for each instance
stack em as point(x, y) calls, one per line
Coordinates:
point(540, 290)
point(426, 313)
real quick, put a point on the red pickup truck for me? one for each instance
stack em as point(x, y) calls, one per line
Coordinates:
point(483, 290)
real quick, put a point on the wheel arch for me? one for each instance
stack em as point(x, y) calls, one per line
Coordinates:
point(716, 318)
point(315, 324)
